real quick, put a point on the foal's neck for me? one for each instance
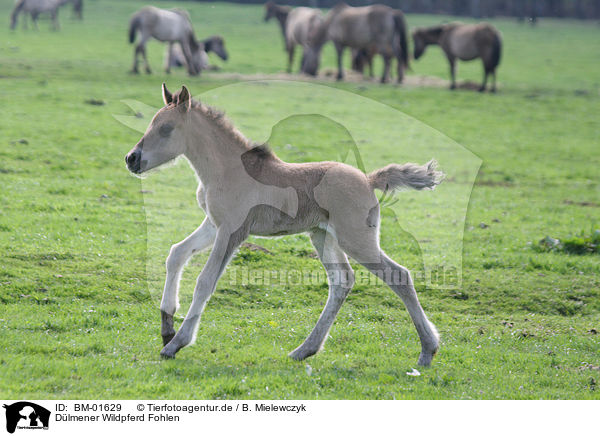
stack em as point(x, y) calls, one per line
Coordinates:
point(214, 146)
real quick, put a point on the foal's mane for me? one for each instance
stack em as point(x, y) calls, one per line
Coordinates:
point(218, 117)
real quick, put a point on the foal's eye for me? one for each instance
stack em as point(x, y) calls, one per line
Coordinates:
point(165, 130)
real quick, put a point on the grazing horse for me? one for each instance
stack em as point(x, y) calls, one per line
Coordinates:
point(246, 190)
point(35, 8)
point(215, 44)
point(301, 23)
point(296, 27)
point(280, 13)
point(465, 42)
point(172, 25)
point(377, 29)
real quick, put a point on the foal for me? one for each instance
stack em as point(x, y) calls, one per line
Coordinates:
point(465, 42)
point(246, 189)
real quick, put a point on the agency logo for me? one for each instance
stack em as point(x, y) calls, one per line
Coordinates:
point(26, 415)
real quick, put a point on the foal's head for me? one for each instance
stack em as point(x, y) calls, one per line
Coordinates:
point(165, 137)
point(216, 44)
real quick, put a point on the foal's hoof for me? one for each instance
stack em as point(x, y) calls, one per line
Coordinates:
point(425, 359)
point(482, 89)
point(165, 354)
point(301, 354)
point(148, 71)
point(134, 71)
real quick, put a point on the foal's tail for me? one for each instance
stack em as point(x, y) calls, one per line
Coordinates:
point(401, 29)
point(409, 175)
point(15, 13)
point(134, 24)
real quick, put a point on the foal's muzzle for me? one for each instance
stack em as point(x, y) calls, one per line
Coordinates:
point(134, 161)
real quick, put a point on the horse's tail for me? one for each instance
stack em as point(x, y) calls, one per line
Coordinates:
point(496, 51)
point(134, 24)
point(400, 28)
point(409, 175)
point(15, 13)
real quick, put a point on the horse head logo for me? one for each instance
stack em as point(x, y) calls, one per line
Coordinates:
point(28, 415)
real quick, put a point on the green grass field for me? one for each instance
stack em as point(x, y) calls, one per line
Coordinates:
point(83, 242)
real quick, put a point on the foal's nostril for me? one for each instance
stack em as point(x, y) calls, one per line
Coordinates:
point(132, 160)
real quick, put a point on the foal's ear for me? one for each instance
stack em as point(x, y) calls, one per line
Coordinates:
point(167, 96)
point(185, 98)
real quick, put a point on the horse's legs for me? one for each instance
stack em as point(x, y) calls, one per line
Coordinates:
point(493, 81)
point(225, 244)
point(180, 253)
point(341, 279)
point(34, 17)
point(291, 48)
point(143, 51)
point(54, 16)
point(452, 62)
point(339, 48)
point(400, 67)
point(187, 54)
point(386, 68)
point(136, 52)
point(169, 58)
point(486, 72)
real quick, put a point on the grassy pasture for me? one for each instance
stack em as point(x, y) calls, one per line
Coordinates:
point(80, 272)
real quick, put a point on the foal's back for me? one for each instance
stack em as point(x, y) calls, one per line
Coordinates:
point(328, 193)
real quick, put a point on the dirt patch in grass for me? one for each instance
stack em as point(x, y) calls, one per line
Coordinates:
point(329, 75)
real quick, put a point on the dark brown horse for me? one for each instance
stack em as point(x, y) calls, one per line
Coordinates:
point(465, 42)
point(377, 29)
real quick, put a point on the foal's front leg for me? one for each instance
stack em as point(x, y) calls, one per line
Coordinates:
point(180, 253)
point(225, 244)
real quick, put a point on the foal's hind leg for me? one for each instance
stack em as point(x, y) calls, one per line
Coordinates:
point(341, 279)
point(399, 280)
point(364, 248)
point(180, 253)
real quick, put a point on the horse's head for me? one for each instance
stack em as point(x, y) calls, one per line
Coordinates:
point(216, 44)
point(317, 37)
point(423, 37)
point(269, 10)
point(165, 138)
point(419, 42)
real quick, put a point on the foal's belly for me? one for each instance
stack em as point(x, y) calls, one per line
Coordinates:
point(269, 221)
